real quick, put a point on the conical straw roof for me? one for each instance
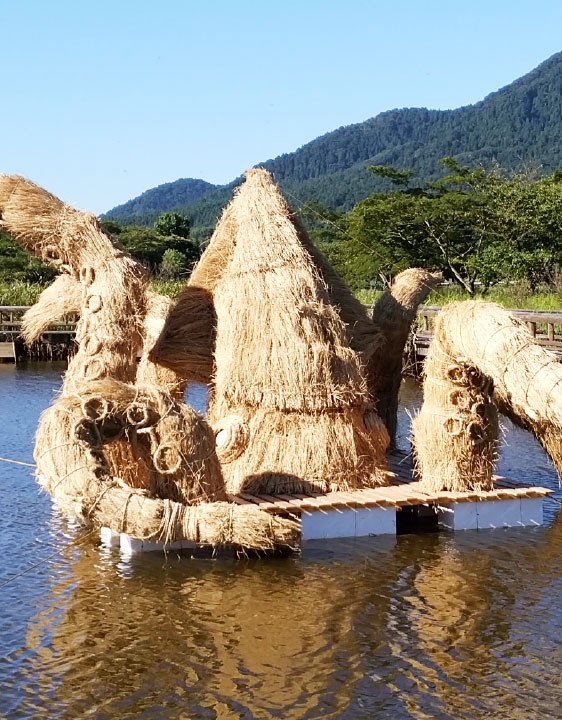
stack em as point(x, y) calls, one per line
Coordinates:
point(289, 397)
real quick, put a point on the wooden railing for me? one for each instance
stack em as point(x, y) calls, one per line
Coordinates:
point(10, 323)
point(544, 325)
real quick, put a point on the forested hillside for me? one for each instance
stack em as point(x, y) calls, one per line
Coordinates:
point(145, 208)
point(519, 125)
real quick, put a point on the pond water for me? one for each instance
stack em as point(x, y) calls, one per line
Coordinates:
point(418, 626)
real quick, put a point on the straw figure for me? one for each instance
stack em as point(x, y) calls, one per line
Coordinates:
point(289, 400)
point(62, 297)
point(118, 447)
point(455, 434)
point(527, 378)
point(187, 342)
point(394, 315)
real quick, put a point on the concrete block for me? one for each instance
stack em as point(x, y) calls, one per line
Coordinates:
point(131, 546)
point(458, 516)
point(375, 521)
point(532, 511)
point(329, 524)
point(109, 538)
point(499, 513)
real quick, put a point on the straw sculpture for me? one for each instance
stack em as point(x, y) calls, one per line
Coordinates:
point(63, 297)
point(527, 378)
point(186, 343)
point(289, 401)
point(117, 448)
point(394, 315)
point(81, 484)
point(455, 434)
point(188, 340)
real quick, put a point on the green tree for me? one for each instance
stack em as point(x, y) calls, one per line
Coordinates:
point(399, 178)
point(172, 223)
point(16, 264)
point(174, 263)
point(474, 225)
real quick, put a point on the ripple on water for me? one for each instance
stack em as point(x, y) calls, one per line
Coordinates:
point(427, 626)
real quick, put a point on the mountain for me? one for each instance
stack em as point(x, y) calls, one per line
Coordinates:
point(517, 126)
point(146, 207)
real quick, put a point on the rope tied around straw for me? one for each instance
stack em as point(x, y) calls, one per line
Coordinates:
point(231, 437)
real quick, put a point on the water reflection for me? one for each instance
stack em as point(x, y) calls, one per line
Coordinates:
point(421, 627)
point(428, 626)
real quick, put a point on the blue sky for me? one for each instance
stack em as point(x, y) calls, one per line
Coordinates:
point(103, 100)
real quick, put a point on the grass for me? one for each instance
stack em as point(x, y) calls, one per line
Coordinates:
point(170, 288)
point(18, 292)
point(510, 296)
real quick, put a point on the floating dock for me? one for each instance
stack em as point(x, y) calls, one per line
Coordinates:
point(401, 506)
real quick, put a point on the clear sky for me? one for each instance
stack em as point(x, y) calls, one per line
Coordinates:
point(101, 100)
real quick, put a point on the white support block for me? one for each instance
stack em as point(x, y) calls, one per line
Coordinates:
point(499, 514)
point(109, 537)
point(348, 523)
point(490, 514)
point(328, 524)
point(130, 545)
point(458, 516)
point(375, 521)
point(532, 511)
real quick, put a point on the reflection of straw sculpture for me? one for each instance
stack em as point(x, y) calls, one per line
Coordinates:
point(290, 402)
point(222, 649)
point(456, 431)
point(103, 430)
point(394, 314)
point(527, 378)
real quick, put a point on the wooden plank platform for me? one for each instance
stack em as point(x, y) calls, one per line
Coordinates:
point(402, 491)
point(383, 510)
point(7, 351)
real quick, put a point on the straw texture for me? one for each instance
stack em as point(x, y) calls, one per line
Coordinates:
point(455, 434)
point(117, 447)
point(62, 297)
point(527, 378)
point(81, 484)
point(394, 314)
point(284, 365)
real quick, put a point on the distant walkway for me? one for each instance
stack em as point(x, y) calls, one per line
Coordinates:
point(544, 325)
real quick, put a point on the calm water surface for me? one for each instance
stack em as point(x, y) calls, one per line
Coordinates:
point(419, 626)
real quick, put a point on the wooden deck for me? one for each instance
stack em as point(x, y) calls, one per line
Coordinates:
point(7, 351)
point(402, 506)
point(402, 491)
point(544, 326)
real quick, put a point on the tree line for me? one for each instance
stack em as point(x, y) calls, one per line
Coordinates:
point(166, 249)
point(478, 227)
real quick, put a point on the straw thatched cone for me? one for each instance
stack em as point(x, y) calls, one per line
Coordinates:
point(289, 401)
point(455, 434)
